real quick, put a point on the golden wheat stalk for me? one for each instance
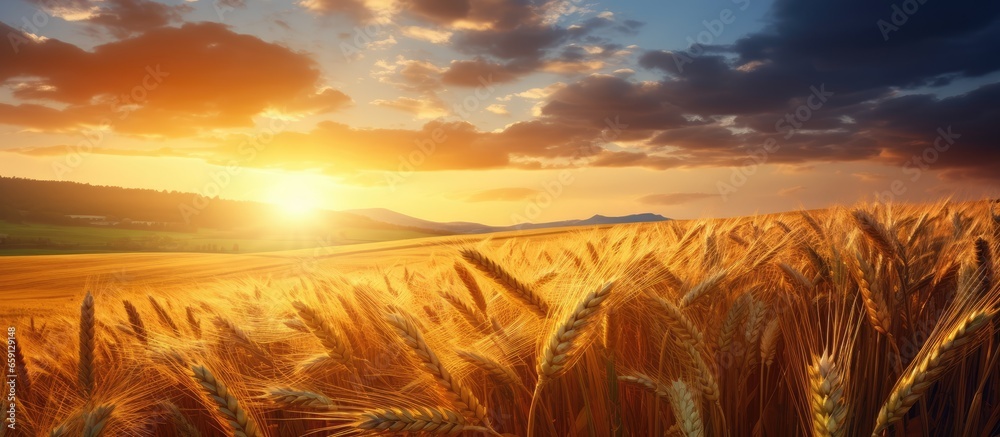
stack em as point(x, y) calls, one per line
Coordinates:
point(470, 315)
point(517, 289)
point(755, 317)
point(769, 342)
point(23, 378)
point(336, 346)
point(164, 317)
point(707, 285)
point(463, 398)
point(294, 397)
point(685, 408)
point(923, 372)
point(544, 278)
point(876, 307)
point(810, 221)
point(182, 425)
point(731, 322)
point(703, 374)
point(226, 402)
point(472, 286)
point(296, 325)
point(420, 420)
point(876, 233)
point(135, 322)
point(595, 257)
point(193, 322)
point(679, 324)
point(241, 337)
point(827, 400)
point(500, 372)
point(85, 371)
point(654, 387)
point(795, 278)
point(96, 420)
point(565, 343)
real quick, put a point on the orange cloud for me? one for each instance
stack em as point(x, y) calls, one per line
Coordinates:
point(167, 82)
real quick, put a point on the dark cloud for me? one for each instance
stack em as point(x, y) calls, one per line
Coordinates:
point(476, 72)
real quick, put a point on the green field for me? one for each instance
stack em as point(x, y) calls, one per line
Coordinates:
point(93, 239)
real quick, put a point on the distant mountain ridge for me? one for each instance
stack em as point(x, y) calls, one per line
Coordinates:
point(392, 217)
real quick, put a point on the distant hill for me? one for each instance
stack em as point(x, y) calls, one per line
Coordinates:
point(393, 217)
point(71, 203)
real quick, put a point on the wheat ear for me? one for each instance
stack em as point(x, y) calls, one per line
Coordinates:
point(182, 425)
point(517, 289)
point(300, 398)
point(85, 372)
point(23, 378)
point(544, 279)
point(463, 398)
point(229, 406)
point(704, 287)
point(565, 344)
point(654, 387)
point(96, 420)
point(135, 322)
point(876, 307)
point(468, 313)
point(829, 406)
point(876, 233)
point(500, 372)
point(470, 284)
point(336, 346)
point(731, 322)
point(925, 371)
point(769, 342)
point(163, 315)
point(420, 420)
point(704, 376)
point(193, 322)
point(679, 324)
point(241, 337)
point(685, 408)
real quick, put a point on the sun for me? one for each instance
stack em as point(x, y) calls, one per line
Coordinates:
point(295, 198)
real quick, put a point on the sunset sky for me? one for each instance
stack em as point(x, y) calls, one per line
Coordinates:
point(470, 110)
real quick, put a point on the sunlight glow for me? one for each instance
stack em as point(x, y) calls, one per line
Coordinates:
point(295, 197)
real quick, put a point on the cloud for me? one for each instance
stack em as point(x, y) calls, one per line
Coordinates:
point(420, 108)
point(501, 195)
point(435, 36)
point(477, 72)
point(119, 17)
point(673, 199)
point(498, 109)
point(356, 10)
point(166, 82)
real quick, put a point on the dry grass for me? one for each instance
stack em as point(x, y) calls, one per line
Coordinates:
point(875, 320)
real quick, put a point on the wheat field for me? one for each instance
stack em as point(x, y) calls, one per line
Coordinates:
point(853, 321)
